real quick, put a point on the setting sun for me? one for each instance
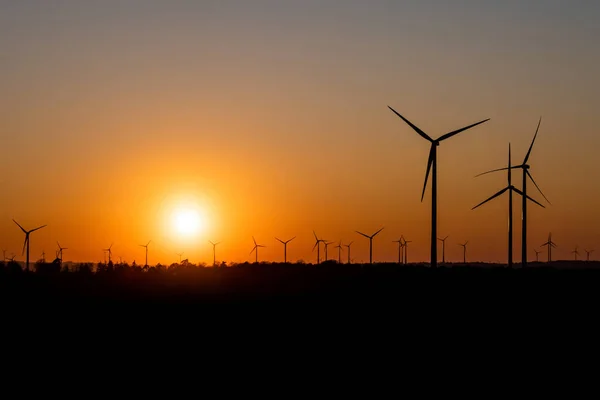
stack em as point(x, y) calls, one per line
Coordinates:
point(187, 222)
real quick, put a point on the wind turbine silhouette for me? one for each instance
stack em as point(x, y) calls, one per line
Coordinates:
point(60, 252)
point(405, 245)
point(43, 256)
point(179, 254)
point(256, 246)
point(214, 245)
point(370, 243)
point(348, 246)
point(146, 246)
point(443, 249)
point(464, 246)
point(339, 247)
point(432, 165)
point(510, 189)
point(26, 243)
point(400, 246)
point(109, 251)
point(326, 243)
point(525, 167)
point(285, 247)
point(575, 252)
point(588, 254)
point(537, 255)
point(317, 242)
point(550, 245)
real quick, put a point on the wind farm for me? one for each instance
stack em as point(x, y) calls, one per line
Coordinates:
point(299, 126)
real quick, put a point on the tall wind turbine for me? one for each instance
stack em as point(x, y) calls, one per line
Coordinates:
point(464, 246)
point(405, 245)
point(214, 245)
point(525, 167)
point(326, 243)
point(60, 252)
point(432, 165)
point(26, 243)
point(575, 252)
point(146, 246)
point(348, 246)
point(285, 247)
point(443, 249)
point(400, 246)
point(537, 255)
point(550, 245)
point(510, 189)
point(255, 249)
point(317, 245)
point(109, 251)
point(339, 247)
point(370, 243)
point(588, 252)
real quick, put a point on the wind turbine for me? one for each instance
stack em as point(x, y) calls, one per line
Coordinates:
point(317, 242)
point(537, 255)
point(443, 249)
point(339, 247)
point(285, 248)
point(256, 246)
point(400, 246)
point(575, 252)
point(348, 246)
point(432, 165)
point(214, 245)
point(326, 243)
point(510, 189)
point(550, 245)
point(109, 251)
point(370, 243)
point(146, 246)
point(525, 167)
point(43, 256)
point(179, 254)
point(588, 254)
point(464, 246)
point(405, 245)
point(26, 243)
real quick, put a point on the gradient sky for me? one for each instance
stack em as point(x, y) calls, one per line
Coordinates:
point(271, 117)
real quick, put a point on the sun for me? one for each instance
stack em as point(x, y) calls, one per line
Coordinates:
point(187, 222)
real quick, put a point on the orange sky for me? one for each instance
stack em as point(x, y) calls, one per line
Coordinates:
point(272, 119)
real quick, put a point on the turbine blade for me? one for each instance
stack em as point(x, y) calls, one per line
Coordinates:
point(429, 162)
point(315, 246)
point(24, 244)
point(360, 233)
point(419, 131)
point(492, 197)
point(292, 239)
point(253, 249)
point(39, 227)
point(280, 240)
point(493, 170)
point(254, 240)
point(377, 232)
point(531, 146)
point(23, 229)
point(316, 238)
point(538, 188)
point(450, 134)
point(529, 198)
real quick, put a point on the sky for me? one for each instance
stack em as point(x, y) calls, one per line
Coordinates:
point(270, 119)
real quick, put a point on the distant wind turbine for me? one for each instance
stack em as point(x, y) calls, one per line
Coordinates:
point(464, 246)
point(60, 252)
point(510, 189)
point(214, 245)
point(339, 247)
point(26, 243)
point(348, 246)
point(146, 246)
point(550, 245)
point(400, 245)
point(255, 249)
point(370, 243)
point(317, 245)
point(179, 254)
point(432, 165)
point(525, 167)
point(588, 254)
point(443, 249)
point(326, 243)
point(575, 252)
point(285, 247)
point(405, 245)
point(109, 251)
point(537, 255)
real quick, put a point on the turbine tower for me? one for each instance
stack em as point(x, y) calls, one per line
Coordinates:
point(370, 243)
point(326, 243)
point(443, 249)
point(510, 189)
point(348, 246)
point(400, 246)
point(464, 246)
point(588, 252)
point(525, 167)
point(550, 245)
point(432, 165)
point(537, 255)
point(146, 246)
point(109, 251)
point(60, 252)
point(255, 249)
point(317, 245)
point(575, 252)
point(26, 243)
point(405, 245)
point(214, 245)
point(285, 247)
point(339, 247)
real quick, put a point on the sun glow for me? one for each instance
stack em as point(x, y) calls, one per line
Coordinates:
point(188, 222)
